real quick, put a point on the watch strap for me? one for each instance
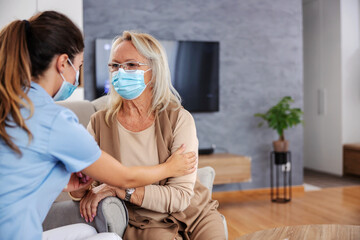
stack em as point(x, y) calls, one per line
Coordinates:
point(127, 196)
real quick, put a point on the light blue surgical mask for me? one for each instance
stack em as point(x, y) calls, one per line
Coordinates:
point(129, 85)
point(67, 88)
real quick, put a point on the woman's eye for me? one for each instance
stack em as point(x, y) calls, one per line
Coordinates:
point(131, 64)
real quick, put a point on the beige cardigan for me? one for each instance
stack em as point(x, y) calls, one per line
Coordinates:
point(200, 201)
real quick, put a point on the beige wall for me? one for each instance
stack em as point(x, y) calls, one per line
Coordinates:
point(16, 9)
point(23, 9)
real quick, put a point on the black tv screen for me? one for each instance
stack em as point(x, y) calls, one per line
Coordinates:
point(194, 68)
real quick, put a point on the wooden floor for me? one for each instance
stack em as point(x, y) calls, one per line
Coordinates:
point(249, 212)
point(326, 180)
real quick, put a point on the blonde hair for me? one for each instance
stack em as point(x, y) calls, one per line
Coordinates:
point(163, 91)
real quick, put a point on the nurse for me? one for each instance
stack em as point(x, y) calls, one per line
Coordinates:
point(41, 143)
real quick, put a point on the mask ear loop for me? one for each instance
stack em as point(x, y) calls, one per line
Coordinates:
point(151, 81)
point(62, 76)
point(76, 71)
point(72, 64)
point(147, 71)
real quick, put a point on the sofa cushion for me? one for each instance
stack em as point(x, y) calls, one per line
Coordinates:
point(100, 103)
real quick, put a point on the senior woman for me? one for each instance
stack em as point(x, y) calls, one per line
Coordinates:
point(145, 120)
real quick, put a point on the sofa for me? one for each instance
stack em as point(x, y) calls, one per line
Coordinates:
point(112, 214)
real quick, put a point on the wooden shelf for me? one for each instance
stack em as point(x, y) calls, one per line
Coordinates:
point(229, 168)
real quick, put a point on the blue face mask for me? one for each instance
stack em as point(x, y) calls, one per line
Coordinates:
point(67, 88)
point(129, 85)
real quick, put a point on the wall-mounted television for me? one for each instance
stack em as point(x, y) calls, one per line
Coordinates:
point(194, 68)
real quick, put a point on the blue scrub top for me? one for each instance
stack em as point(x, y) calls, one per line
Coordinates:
point(30, 183)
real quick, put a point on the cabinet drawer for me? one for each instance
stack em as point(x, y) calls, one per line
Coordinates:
point(351, 161)
point(229, 168)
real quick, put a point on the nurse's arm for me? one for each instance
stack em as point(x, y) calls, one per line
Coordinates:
point(108, 170)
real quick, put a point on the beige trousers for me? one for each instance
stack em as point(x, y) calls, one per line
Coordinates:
point(210, 227)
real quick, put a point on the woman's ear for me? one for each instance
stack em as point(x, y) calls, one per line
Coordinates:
point(61, 62)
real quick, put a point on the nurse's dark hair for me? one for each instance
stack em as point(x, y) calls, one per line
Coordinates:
point(26, 51)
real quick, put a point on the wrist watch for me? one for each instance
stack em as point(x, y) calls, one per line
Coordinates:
point(128, 193)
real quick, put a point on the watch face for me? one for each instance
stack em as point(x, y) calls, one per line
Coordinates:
point(130, 190)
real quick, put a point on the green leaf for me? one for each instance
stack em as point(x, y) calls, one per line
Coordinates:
point(281, 116)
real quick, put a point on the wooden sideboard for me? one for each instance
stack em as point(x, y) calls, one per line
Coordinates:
point(229, 168)
point(351, 159)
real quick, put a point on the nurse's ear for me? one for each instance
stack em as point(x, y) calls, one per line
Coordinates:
point(61, 62)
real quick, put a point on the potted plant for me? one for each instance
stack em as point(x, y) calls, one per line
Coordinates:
point(281, 117)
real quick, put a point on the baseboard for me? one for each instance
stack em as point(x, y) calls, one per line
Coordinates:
point(296, 190)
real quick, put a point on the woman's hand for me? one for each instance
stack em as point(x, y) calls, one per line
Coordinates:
point(180, 164)
point(77, 183)
point(90, 202)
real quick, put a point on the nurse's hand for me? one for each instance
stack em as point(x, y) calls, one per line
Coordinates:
point(180, 163)
point(83, 178)
point(77, 183)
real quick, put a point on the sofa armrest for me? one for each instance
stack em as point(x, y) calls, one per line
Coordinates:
point(206, 176)
point(112, 216)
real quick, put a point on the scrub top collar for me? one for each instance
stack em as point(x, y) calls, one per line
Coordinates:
point(40, 93)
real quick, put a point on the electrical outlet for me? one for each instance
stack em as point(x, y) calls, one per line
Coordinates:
point(286, 167)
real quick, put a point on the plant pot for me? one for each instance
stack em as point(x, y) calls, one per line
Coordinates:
point(281, 146)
